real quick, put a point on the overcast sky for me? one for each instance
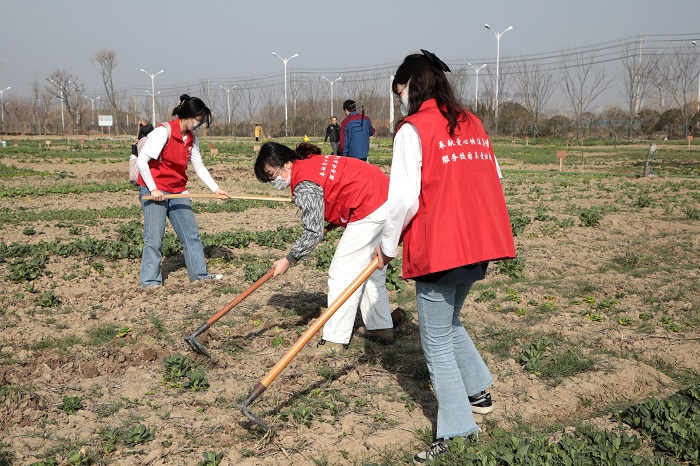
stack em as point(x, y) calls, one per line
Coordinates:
point(194, 40)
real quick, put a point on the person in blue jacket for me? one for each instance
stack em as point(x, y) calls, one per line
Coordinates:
point(355, 131)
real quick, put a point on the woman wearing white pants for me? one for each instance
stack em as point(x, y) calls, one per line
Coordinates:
point(344, 192)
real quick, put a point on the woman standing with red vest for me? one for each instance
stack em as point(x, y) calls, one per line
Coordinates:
point(447, 205)
point(345, 192)
point(162, 170)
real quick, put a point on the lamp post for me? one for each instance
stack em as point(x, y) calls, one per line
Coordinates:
point(332, 82)
point(285, 60)
point(2, 110)
point(63, 121)
point(476, 91)
point(92, 108)
point(153, 92)
point(498, 55)
point(228, 104)
point(698, 102)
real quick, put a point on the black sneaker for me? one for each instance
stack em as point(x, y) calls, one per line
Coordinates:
point(438, 447)
point(481, 403)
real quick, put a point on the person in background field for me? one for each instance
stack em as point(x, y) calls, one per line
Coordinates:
point(333, 132)
point(355, 131)
point(345, 192)
point(162, 170)
point(259, 133)
point(144, 128)
point(446, 203)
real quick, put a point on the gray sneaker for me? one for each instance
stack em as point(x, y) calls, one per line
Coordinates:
point(438, 448)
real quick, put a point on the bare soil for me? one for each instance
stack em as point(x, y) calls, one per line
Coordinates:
point(370, 401)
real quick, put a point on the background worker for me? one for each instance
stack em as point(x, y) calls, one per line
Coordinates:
point(333, 133)
point(355, 131)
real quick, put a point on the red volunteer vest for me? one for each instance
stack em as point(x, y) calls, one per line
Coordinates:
point(352, 189)
point(462, 217)
point(170, 174)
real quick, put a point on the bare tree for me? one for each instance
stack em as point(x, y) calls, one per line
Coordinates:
point(535, 87)
point(249, 103)
point(273, 106)
point(582, 82)
point(638, 70)
point(680, 76)
point(105, 61)
point(69, 90)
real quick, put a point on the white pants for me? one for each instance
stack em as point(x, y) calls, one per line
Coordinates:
point(352, 256)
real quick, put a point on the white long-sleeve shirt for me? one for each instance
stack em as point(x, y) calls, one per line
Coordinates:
point(154, 146)
point(404, 188)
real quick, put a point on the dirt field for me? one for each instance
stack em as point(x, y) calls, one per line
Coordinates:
point(619, 298)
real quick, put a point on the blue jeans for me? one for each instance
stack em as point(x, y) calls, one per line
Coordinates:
point(455, 365)
point(179, 211)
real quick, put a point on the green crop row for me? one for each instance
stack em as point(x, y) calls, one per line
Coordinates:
point(85, 188)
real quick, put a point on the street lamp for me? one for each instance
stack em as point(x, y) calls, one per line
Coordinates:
point(498, 55)
point(476, 91)
point(2, 109)
point(92, 107)
point(332, 82)
point(228, 105)
point(63, 121)
point(153, 92)
point(698, 45)
point(285, 60)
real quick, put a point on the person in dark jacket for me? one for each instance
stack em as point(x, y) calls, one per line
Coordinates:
point(355, 131)
point(333, 133)
point(144, 128)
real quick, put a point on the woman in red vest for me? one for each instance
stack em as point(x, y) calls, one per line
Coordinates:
point(344, 192)
point(162, 170)
point(447, 206)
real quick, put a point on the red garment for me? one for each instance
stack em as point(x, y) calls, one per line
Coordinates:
point(462, 217)
point(352, 189)
point(170, 174)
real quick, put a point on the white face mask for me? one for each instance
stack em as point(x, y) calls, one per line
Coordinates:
point(404, 101)
point(194, 125)
point(279, 183)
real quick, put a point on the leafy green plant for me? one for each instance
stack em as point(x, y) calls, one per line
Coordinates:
point(643, 200)
point(197, 380)
point(277, 341)
point(49, 299)
point(252, 271)
point(518, 222)
point(21, 271)
point(210, 458)
point(672, 424)
point(670, 325)
point(692, 213)
point(29, 231)
point(487, 295)
point(590, 217)
point(531, 356)
point(177, 366)
point(513, 268)
point(137, 435)
point(324, 255)
point(71, 404)
point(394, 282)
point(80, 458)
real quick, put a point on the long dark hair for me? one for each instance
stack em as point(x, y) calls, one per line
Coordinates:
point(276, 155)
point(428, 81)
point(193, 107)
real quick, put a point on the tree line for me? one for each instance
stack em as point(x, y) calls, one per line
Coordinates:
point(547, 95)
